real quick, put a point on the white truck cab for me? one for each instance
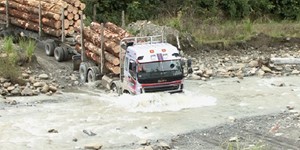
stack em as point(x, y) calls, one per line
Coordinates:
point(150, 65)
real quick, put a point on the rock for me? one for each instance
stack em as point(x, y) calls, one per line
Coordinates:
point(39, 84)
point(73, 77)
point(278, 134)
point(290, 107)
point(6, 84)
point(93, 146)
point(11, 102)
point(233, 139)
point(2, 80)
point(278, 68)
point(203, 79)
point(209, 72)
point(16, 91)
point(265, 69)
point(148, 148)
point(52, 88)
point(45, 89)
point(295, 72)
point(76, 82)
point(260, 73)
point(232, 119)
point(2, 92)
point(52, 131)
point(35, 92)
point(25, 76)
point(164, 145)
point(194, 77)
point(44, 76)
point(49, 93)
point(27, 91)
point(253, 63)
point(74, 139)
point(31, 80)
point(144, 142)
point(10, 88)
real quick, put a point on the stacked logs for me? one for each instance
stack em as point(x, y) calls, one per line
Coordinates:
point(112, 35)
point(25, 14)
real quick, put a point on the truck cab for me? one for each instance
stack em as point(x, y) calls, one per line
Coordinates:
point(150, 66)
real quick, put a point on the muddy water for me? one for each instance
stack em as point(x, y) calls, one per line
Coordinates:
point(117, 122)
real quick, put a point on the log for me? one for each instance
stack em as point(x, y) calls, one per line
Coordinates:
point(280, 61)
point(107, 34)
point(33, 26)
point(75, 11)
point(34, 10)
point(111, 58)
point(112, 68)
point(82, 6)
point(71, 30)
point(77, 3)
point(70, 16)
point(45, 6)
point(76, 17)
point(71, 22)
point(61, 3)
point(118, 30)
point(66, 12)
point(32, 17)
point(70, 9)
point(71, 2)
point(67, 23)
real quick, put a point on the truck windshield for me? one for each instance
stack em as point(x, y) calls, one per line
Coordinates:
point(155, 72)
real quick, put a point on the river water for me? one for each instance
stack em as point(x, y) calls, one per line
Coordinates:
point(119, 121)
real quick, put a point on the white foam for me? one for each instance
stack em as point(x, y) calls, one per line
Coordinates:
point(160, 102)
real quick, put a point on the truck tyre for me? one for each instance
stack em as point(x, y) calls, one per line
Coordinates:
point(92, 75)
point(66, 54)
point(49, 48)
point(59, 54)
point(114, 88)
point(83, 71)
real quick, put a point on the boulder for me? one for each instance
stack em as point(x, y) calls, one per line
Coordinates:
point(27, 91)
point(53, 88)
point(10, 88)
point(16, 91)
point(253, 63)
point(39, 84)
point(45, 89)
point(6, 84)
point(260, 73)
point(44, 76)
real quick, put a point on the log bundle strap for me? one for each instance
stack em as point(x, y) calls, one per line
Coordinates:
point(25, 14)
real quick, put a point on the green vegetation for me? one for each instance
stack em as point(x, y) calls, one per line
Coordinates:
point(29, 46)
point(8, 45)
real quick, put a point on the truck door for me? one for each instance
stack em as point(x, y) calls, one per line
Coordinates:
point(131, 77)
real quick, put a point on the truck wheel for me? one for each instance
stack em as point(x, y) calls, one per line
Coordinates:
point(93, 74)
point(114, 88)
point(59, 54)
point(83, 71)
point(49, 48)
point(66, 54)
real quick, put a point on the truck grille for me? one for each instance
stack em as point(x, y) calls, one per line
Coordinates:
point(161, 88)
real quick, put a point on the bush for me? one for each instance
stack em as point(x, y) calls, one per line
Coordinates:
point(28, 46)
point(8, 45)
point(9, 70)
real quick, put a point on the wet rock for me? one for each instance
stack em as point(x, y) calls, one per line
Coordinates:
point(45, 89)
point(39, 84)
point(73, 77)
point(252, 71)
point(144, 142)
point(44, 76)
point(93, 146)
point(27, 91)
point(52, 131)
point(278, 84)
point(6, 84)
point(25, 76)
point(2, 92)
point(253, 63)
point(266, 69)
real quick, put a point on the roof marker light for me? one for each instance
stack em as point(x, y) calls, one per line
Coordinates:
point(151, 51)
point(163, 50)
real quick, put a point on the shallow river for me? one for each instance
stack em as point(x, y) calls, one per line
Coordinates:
point(120, 121)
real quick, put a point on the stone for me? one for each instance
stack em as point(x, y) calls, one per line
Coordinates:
point(2, 80)
point(164, 145)
point(253, 63)
point(6, 84)
point(52, 131)
point(290, 107)
point(49, 93)
point(76, 82)
point(10, 88)
point(93, 146)
point(45, 89)
point(260, 73)
point(27, 91)
point(253, 71)
point(74, 139)
point(278, 68)
point(35, 92)
point(209, 72)
point(148, 148)
point(144, 142)
point(25, 76)
point(52, 88)
point(16, 91)
point(266, 69)
point(233, 139)
point(31, 80)
point(44, 76)
point(39, 84)
point(232, 119)
point(295, 72)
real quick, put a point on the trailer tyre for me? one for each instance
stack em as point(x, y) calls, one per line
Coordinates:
point(114, 88)
point(59, 54)
point(49, 48)
point(92, 75)
point(66, 54)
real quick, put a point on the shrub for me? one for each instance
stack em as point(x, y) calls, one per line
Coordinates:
point(8, 45)
point(9, 70)
point(30, 48)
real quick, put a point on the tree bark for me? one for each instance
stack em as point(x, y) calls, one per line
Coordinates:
point(33, 26)
point(34, 10)
point(118, 30)
point(33, 17)
point(45, 6)
point(82, 6)
point(112, 68)
point(111, 58)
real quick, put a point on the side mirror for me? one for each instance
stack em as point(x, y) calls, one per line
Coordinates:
point(189, 66)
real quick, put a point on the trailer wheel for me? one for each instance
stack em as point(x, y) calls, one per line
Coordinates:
point(93, 74)
point(49, 48)
point(114, 88)
point(66, 54)
point(83, 71)
point(59, 54)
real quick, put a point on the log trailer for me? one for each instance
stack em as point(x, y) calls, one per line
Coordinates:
point(45, 22)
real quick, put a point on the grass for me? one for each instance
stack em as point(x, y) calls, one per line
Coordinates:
point(29, 46)
point(214, 30)
point(8, 45)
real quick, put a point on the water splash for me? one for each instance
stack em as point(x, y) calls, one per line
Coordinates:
point(160, 102)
